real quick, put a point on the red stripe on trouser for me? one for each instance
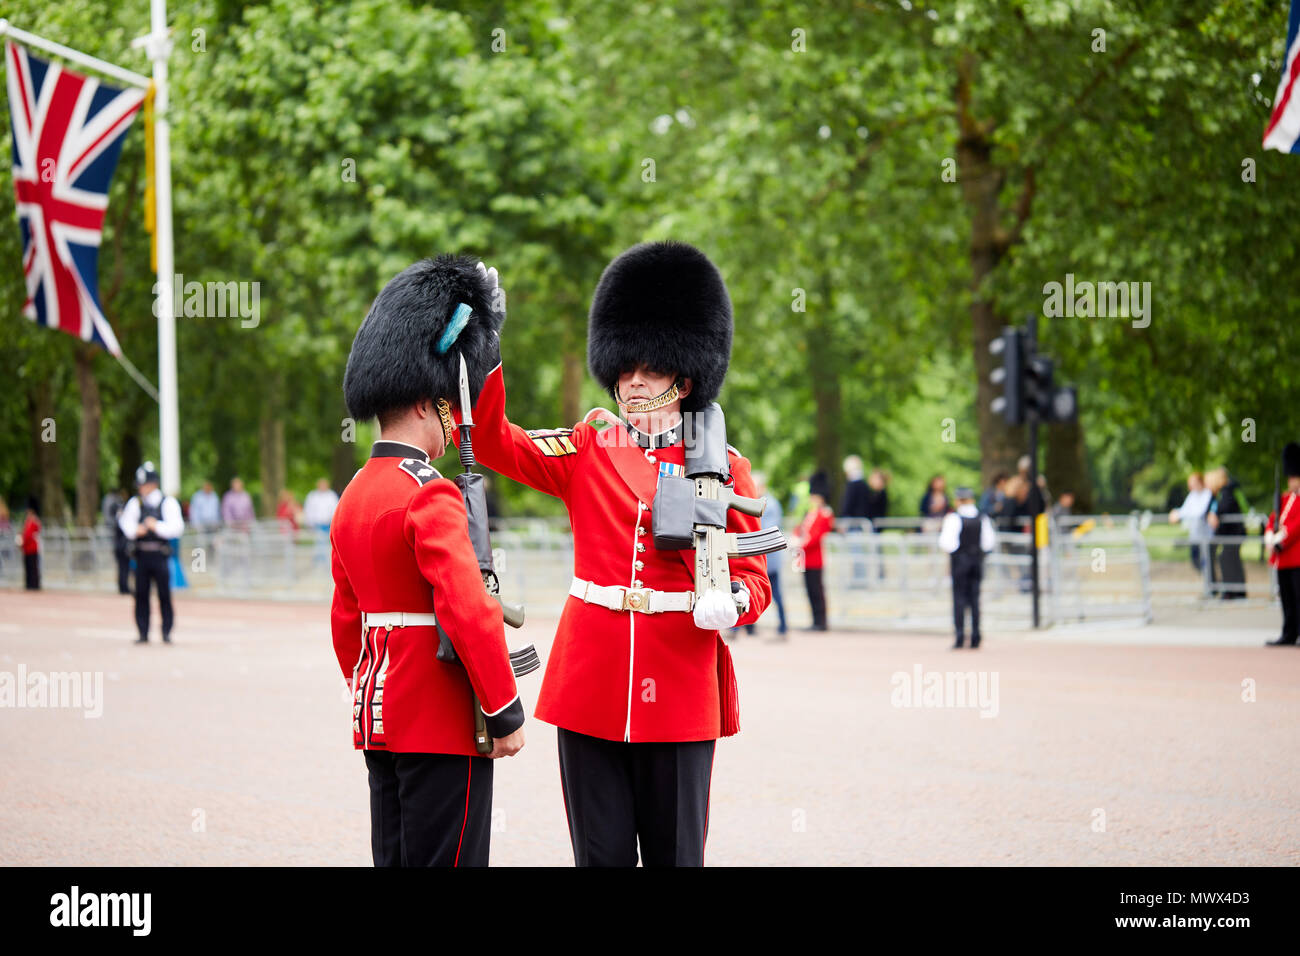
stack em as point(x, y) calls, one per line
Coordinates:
point(469, 774)
point(708, 798)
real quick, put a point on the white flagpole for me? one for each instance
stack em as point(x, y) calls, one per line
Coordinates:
point(74, 56)
point(160, 46)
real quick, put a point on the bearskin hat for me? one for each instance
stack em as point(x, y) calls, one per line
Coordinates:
point(664, 305)
point(819, 484)
point(1291, 460)
point(409, 345)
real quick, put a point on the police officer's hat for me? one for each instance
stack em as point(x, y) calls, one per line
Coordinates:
point(664, 305)
point(409, 345)
point(1291, 460)
point(146, 474)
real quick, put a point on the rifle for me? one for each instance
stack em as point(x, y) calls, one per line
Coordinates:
point(692, 510)
point(523, 660)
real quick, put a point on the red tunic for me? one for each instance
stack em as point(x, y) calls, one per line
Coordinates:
point(814, 527)
point(621, 675)
point(1290, 556)
point(31, 534)
point(401, 543)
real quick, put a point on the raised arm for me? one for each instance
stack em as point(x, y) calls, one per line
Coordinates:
point(542, 459)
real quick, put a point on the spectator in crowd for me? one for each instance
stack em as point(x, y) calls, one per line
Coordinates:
point(205, 508)
point(856, 490)
point(237, 506)
point(967, 536)
point(1037, 497)
point(6, 532)
point(853, 512)
point(877, 508)
point(994, 500)
point(1280, 536)
point(808, 538)
point(1225, 522)
point(112, 506)
point(318, 511)
point(287, 511)
point(318, 507)
point(934, 504)
point(772, 517)
point(1064, 504)
point(877, 495)
point(1191, 515)
point(1019, 519)
point(31, 544)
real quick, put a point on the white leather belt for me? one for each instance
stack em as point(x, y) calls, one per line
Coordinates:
point(391, 619)
point(644, 600)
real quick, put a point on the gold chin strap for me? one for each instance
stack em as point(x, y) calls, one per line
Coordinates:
point(667, 398)
point(448, 426)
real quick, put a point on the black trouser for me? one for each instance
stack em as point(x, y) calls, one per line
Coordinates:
point(123, 569)
point(1288, 586)
point(429, 809)
point(617, 793)
point(812, 580)
point(32, 572)
point(1231, 572)
point(966, 594)
point(152, 566)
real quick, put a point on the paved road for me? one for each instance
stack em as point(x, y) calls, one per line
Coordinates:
point(233, 747)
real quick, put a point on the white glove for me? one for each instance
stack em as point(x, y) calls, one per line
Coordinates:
point(490, 275)
point(740, 594)
point(715, 610)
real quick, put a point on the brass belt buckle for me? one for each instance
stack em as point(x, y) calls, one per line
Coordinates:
point(636, 599)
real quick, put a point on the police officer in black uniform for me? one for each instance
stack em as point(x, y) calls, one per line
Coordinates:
point(151, 521)
point(967, 535)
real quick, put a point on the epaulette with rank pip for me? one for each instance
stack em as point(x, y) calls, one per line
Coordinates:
point(421, 471)
point(553, 442)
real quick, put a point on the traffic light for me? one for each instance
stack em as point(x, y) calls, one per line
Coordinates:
point(1027, 380)
point(1038, 385)
point(1010, 347)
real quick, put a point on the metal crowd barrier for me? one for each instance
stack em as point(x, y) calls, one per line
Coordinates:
point(1095, 568)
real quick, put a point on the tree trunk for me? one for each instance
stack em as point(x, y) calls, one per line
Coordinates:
point(131, 454)
point(343, 464)
point(88, 443)
point(270, 436)
point(981, 184)
point(1066, 465)
point(573, 368)
point(823, 373)
point(571, 388)
point(47, 478)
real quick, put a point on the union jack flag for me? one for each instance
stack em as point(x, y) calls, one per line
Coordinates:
point(1283, 132)
point(68, 132)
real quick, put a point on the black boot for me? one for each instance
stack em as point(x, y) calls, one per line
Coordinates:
point(1281, 642)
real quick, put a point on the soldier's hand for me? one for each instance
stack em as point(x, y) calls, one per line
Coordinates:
point(715, 610)
point(508, 746)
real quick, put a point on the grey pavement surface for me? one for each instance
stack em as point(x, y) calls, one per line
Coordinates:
point(232, 747)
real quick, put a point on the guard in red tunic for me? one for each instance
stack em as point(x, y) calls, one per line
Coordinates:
point(639, 680)
point(404, 568)
point(1282, 541)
